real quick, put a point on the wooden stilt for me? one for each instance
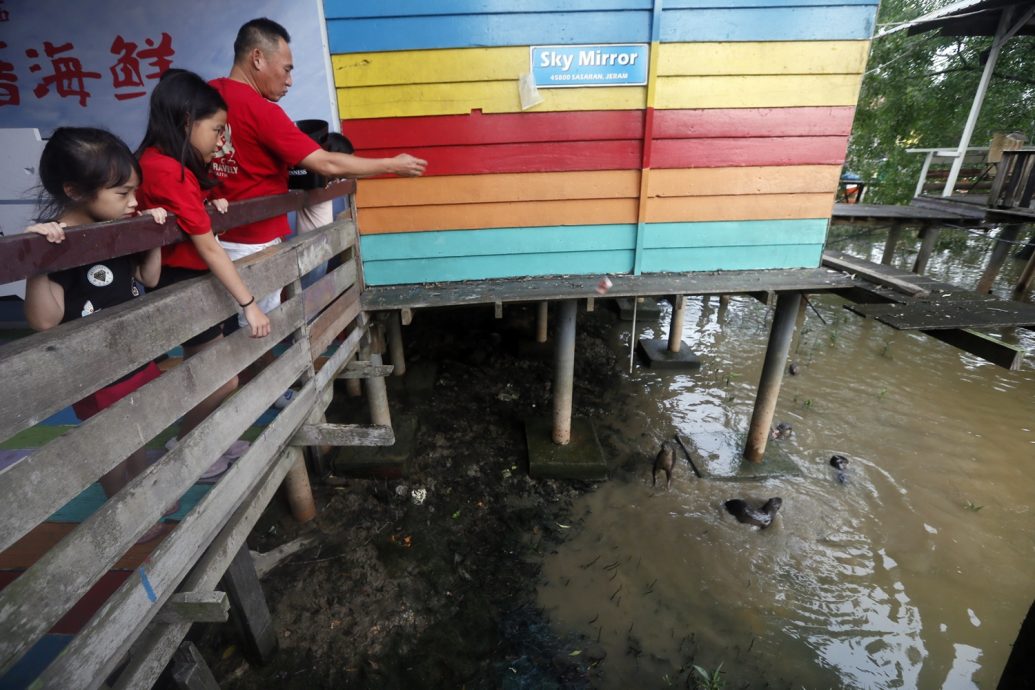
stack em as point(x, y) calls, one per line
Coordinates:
point(248, 608)
point(894, 234)
point(377, 397)
point(396, 353)
point(1024, 282)
point(564, 371)
point(189, 670)
point(675, 330)
point(296, 484)
point(799, 322)
point(541, 322)
point(1000, 250)
point(772, 374)
point(928, 235)
point(354, 387)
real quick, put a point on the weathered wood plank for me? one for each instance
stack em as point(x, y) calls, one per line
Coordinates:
point(196, 607)
point(44, 372)
point(865, 269)
point(251, 614)
point(189, 670)
point(320, 245)
point(326, 290)
point(98, 648)
point(41, 595)
point(365, 370)
point(343, 435)
point(46, 478)
point(268, 560)
point(951, 313)
point(333, 320)
point(984, 346)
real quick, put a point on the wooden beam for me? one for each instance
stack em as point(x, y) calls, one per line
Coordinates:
point(406, 316)
point(358, 369)
point(189, 670)
point(343, 435)
point(333, 320)
point(268, 560)
point(250, 613)
point(844, 263)
point(981, 345)
point(195, 607)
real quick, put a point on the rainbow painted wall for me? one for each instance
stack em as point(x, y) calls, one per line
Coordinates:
point(727, 159)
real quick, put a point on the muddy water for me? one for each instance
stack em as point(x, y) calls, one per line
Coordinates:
point(913, 573)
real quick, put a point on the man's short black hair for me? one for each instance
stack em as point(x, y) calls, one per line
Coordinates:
point(261, 33)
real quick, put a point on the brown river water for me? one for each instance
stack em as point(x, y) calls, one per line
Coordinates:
point(916, 572)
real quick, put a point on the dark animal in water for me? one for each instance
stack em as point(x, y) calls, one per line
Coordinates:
point(840, 463)
point(782, 430)
point(664, 462)
point(760, 517)
point(793, 369)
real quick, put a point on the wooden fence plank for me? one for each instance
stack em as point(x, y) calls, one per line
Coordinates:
point(333, 320)
point(45, 479)
point(324, 291)
point(343, 435)
point(196, 607)
point(41, 595)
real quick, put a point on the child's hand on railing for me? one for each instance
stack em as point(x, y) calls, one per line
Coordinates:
point(158, 213)
point(54, 232)
point(259, 322)
point(220, 205)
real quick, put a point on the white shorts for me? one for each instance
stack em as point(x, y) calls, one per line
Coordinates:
point(239, 250)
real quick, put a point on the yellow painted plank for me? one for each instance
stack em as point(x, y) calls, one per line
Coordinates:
point(680, 59)
point(497, 215)
point(489, 97)
point(775, 57)
point(789, 179)
point(769, 91)
point(744, 207)
point(504, 187)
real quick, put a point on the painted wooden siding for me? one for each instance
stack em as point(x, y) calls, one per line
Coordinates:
point(728, 159)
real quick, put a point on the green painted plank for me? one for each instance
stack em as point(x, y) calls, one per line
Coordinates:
point(497, 241)
point(732, 258)
point(741, 233)
point(399, 272)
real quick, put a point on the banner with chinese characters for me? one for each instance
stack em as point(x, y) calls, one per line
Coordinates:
point(94, 63)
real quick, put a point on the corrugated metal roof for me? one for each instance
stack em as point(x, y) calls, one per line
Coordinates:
point(967, 18)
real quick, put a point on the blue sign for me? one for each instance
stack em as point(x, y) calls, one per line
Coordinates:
point(555, 67)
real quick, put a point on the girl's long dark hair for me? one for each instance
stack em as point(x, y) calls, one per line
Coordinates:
point(181, 99)
point(87, 160)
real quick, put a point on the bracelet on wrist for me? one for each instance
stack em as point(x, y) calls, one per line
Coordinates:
point(248, 303)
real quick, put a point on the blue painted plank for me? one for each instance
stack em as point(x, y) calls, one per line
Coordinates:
point(732, 258)
point(845, 22)
point(484, 267)
point(30, 666)
point(497, 241)
point(741, 233)
point(350, 9)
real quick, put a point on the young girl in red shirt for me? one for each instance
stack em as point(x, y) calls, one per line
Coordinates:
point(186, 123)
point(90, 176)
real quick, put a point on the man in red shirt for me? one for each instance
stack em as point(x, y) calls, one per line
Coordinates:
point(262, 142)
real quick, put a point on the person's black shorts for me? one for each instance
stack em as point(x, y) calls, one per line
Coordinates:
point(174, 274)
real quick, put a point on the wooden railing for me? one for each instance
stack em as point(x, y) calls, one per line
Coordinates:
point(144, 620)
point(974, 179)
point(1014, 184)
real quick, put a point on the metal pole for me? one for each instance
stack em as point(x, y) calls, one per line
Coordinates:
point(564, 371)
point(542, 321)
point(1000, 250)
point(923, 174)
point(395, 344)
point(772, 374)
point(675, 329)
point(894, 234)
point(979, 99)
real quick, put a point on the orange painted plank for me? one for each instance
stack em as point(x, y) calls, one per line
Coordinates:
point(747, 207)
point(30, 548)
point(497, 215)
point(776, 179)
point(476, 189)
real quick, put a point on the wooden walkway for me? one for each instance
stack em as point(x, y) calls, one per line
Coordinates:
point(949, 213)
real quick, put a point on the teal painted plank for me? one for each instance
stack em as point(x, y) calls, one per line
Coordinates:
point(741, 233)
point(785, 23)
point(732, 258)
point(350, 9)
point(496, 241)
point(486, 267)
point(86, 503)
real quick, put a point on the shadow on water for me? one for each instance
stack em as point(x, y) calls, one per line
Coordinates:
point(912, 573)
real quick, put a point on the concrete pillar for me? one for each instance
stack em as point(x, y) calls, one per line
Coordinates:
point(780, 336)
point(541, 322)
point(894, 234)
point(675, 329)
point(929, 235)
point(395, 344)
point(1000, 250)
point(564, 371)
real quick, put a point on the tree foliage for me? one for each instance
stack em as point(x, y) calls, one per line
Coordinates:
point(917, 93)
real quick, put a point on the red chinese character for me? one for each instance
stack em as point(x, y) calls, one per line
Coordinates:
point(69, 78)
point(125, 73)
point(158, 55)
point(9, 94)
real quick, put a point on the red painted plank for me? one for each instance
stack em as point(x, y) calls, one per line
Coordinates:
point(515, 158)
point(80, 614)
point(601, 125)
point(719, 153)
